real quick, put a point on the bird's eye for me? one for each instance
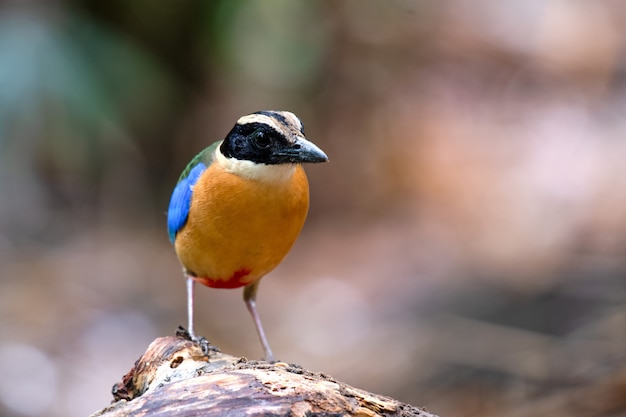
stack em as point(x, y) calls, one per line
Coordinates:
point(260, 139)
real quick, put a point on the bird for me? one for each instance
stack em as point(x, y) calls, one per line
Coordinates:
point(239, 206)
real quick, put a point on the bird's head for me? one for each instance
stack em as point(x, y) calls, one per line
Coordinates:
point(270, 138)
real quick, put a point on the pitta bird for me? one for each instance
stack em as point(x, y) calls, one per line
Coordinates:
point(239, 206)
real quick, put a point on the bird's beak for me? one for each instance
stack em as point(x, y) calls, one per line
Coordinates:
point(305, 151)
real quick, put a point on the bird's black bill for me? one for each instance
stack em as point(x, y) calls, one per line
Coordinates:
point(302, 151)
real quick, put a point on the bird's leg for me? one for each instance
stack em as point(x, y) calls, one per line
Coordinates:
point(190, 290)
point(249, 296)
point(189, 333)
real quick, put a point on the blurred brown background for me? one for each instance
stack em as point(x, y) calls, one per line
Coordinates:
point(466, 245)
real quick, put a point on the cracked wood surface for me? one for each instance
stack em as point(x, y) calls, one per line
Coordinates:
point(175, 377)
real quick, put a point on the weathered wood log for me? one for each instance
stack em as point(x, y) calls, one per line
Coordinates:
point(178, 377)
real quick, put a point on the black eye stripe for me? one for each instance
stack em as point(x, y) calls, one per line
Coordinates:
point(254, 141)
point(249, 129)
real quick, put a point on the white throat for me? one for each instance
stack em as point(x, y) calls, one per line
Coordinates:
point(255, 171)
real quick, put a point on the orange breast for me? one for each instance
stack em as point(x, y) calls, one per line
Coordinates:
point(239, 229)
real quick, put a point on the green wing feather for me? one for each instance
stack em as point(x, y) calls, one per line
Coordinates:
point(206, 156)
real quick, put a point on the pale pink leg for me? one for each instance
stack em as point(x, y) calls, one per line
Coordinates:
point(249, 296)
point(190, 291)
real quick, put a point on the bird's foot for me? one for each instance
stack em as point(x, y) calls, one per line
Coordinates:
point(201, 341)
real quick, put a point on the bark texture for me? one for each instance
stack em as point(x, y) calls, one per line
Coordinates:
point(178, 377)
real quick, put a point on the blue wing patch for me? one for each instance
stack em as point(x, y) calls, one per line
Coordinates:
point(181, 201)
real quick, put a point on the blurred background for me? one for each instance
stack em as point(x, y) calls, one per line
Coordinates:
point(466, 245)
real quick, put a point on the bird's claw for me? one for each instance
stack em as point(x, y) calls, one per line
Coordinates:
point(201, 341)
point(183, 333)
